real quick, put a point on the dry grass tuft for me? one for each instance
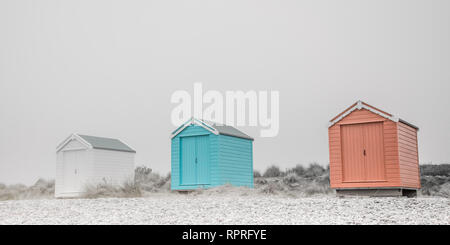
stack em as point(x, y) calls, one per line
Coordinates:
point(106, 189)
point(40, 190)
point(144, 182)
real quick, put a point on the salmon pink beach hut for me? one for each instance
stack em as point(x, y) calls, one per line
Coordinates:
point(373, 153)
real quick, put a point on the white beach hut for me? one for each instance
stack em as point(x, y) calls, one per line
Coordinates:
point(83, 159)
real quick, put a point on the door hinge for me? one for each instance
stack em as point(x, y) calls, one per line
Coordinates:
point(364, 152)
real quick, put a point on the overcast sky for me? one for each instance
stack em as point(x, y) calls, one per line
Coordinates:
point(108, 68)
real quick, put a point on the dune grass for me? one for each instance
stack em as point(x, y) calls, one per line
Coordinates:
point(297, 181)
point(144, 182)
point(41, 189)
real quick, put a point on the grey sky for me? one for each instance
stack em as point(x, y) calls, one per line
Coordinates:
point(108, 68)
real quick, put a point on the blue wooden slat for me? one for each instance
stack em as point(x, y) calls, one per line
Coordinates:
point(235, 161)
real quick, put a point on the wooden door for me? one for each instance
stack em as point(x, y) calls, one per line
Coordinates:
point(353, 169)
point(374, 151)
point(188, 156)
point(72, 170)
point(203, 172)
point(362, 152)
point(195, 168)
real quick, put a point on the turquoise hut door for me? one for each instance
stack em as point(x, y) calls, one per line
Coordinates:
point(195, 160)
point(202, 160)
point(188, 155)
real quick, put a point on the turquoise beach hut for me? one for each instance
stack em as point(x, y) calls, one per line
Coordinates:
point(207, 154)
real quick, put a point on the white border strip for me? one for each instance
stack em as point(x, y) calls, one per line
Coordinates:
point(71, 137)
point(197, 122)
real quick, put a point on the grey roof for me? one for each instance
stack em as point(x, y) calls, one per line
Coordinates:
point(106, 143)
point(231, 131)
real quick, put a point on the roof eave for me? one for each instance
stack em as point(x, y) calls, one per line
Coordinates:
point(109, 149)
point(407, 123)
point(247, 138)
point(71, 137)
point(362, 105)
point(195, 121)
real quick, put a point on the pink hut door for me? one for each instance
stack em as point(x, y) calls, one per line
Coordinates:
point(362, 152)
point(374, 151)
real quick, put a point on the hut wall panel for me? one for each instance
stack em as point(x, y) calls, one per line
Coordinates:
point(235, 161)
point(114, 167)
point(214, 159)
point(408, 156)
point(175, 162)
point(59, 177)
